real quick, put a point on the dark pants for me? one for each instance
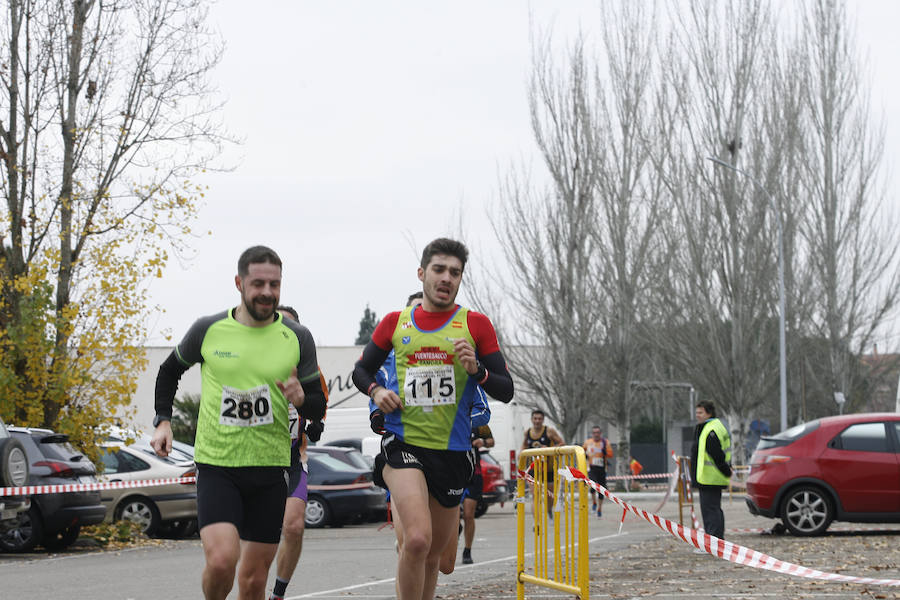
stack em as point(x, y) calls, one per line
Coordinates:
point(711, 509)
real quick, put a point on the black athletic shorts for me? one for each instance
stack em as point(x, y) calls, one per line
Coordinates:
point(598, 475)
point(252, 498)
point(475, 489)
point(446, 471)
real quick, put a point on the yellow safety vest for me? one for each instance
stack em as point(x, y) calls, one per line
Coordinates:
point(707, 471)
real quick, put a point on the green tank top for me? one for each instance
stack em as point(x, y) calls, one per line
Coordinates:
point(433, 385)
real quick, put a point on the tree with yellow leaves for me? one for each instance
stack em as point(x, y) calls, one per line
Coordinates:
point(106, 116)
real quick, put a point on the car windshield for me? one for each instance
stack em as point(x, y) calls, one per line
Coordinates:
point(357, 459)
point(787, 436)
point(331, 462)
point(489, 459)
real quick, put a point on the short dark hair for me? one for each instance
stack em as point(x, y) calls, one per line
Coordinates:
point(707, 406)
point(596, 427)
point(444, 246)
point(289, 310)
point(255, 255)
point(538, 411)
point(414, 296)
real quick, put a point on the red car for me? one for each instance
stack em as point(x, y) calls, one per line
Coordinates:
point(844, 468)
point(494, 488)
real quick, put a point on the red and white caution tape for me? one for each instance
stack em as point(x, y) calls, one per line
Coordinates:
point(721, 548)
point(30, 490)
point(644, 476)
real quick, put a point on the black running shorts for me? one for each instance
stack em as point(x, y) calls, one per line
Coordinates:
point(252, 498)
point(446, 471)
point(475, 489)
point(598, 475)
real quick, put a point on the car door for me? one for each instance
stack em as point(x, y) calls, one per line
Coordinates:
point(862, 466)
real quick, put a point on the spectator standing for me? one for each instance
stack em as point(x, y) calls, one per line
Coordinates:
point(711, 458)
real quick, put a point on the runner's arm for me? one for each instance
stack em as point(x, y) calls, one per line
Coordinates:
point(170, 372)
point(496, 381)
point(555, 437)
point(499, 383)
point(367, 366)
point(185, 354)
point(374, 355)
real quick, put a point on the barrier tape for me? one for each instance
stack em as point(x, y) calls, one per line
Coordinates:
point(117, 485)
point(721, 548)
point(644, 476)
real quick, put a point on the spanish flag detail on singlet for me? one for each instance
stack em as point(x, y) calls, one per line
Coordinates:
point(436, 391)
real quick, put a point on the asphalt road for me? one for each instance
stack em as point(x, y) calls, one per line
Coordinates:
point(359, 562)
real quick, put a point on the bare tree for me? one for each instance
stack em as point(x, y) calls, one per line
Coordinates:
point(720, 296)
point(851, 241)
point(107, 116)
point(580, 253)
point(550, 249)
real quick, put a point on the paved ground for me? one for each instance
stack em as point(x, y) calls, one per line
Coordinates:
point(663, 567)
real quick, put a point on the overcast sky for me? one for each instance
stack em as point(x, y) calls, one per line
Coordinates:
point(369, 127)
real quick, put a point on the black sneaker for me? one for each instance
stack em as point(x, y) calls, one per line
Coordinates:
point(467, 556)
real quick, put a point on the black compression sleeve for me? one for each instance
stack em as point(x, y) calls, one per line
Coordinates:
point(499, 384)
point(364, 371)
point(314, 400)
point(170, 371)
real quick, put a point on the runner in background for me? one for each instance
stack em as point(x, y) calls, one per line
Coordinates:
point(540, 435)
point(636, 469)
point(597, 451)
point(482, 437)
point(294, 522)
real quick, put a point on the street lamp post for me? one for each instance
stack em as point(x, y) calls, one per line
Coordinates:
point(781, 338)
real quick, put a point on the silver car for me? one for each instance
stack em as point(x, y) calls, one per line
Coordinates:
point(171, 507)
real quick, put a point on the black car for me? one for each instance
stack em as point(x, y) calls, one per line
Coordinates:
point(339, 492)
point(13, 473)
point(54, 520)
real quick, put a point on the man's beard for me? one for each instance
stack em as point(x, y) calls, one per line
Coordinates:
point(264, 313)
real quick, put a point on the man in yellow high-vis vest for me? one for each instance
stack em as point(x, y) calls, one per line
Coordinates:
point(711, 457)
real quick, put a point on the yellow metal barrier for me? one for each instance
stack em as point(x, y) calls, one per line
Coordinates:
point(569, 571)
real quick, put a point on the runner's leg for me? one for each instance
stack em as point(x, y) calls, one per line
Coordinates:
point(256, 558)
point(469, 505)
point(444, 525)
point(410, 501)
point(291, 538)
point(448, 557)
point(222, 549)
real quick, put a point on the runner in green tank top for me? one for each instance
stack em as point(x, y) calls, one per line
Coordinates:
point(253, 363)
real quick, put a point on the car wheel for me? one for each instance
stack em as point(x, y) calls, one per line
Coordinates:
point(317, 512)
point(480, 508)
point(13, 463)
point(60, 540)
point(26, 534)
point(807, 510)
point(142, 511)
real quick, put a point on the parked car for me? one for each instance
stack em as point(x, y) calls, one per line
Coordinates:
point(369, 446)
point(53, 520)
point(494, 488)
point(844, 468)
point(14, 472)
point(361, 502)
point(347, 454)
point(165, 509)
